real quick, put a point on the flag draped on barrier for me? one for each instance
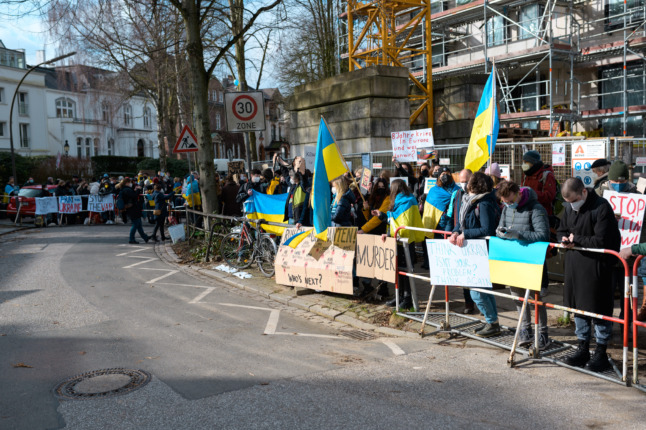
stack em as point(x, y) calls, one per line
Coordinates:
point(270, 208)
point(296, 239)
point(485, 128)
point(516, 263)
point(328, 165)
point(406, 213)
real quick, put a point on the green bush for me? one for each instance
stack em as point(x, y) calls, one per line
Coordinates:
point(24, 167)
point(175, 167)
point(115, 165)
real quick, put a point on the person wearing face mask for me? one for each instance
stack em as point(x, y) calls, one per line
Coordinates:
point(424, 173)
point(618, 180)
point(600, 168)
point(245, 190)
point(405, 170)
point(588, 222)
point(379, 199)
point(296, 207)
point(478, 218)
point(540, 178)
point(524, 218)
point(342, 201)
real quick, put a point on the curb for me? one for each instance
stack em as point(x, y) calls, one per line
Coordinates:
point(15, 230)
point(298, 301)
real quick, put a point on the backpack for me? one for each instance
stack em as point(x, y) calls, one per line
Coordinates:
point(557, 203)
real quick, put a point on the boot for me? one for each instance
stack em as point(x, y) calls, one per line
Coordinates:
point(581, 356)
point(407, 303)
point(382, 290)
point(599, 361)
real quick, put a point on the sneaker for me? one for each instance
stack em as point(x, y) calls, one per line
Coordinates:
point(599, 361)
point(489, 330)
point(525, 337)
point(479, 329)
point(543, 341)
point(109, 222)
point(133, 242)
point(580, 357)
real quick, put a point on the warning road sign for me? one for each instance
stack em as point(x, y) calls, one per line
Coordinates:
point(244, 111)
point(186, 142)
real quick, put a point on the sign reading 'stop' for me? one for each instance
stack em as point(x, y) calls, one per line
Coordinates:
point(244, 111)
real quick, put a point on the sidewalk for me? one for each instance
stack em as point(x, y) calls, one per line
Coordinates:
point(7, 226)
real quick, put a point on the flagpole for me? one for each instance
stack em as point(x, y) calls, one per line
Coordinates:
point(493, 111)
point(343, 158)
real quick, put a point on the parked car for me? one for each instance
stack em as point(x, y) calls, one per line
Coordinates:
point(27, 197)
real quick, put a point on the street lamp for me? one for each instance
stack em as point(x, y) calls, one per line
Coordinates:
point(13, 100)
point(66, 148)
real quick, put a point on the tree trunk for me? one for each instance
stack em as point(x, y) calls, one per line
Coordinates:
point(199, 89)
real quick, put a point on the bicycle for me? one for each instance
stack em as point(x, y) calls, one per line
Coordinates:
point(242, 248)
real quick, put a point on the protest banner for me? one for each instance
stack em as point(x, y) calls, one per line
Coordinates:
point(309, 154)
point(466, 266)
point(235, 167)
point(96, 203)
point(70, 204)
point(46, 205)
point(318, 265)
point(375, 258)
point(365, 178)
point(583, 155)
point(630, 207)
point(413, 145)
point(428, 184)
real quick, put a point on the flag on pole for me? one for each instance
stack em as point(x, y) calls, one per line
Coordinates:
point(328, 165)
point(485, 128)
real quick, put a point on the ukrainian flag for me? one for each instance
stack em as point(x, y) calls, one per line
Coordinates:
point(516, 263)
point(269, 208)
point(296, 239)
point(485, 128)
point(406, 213)
point(436, 204)
point(328, 165)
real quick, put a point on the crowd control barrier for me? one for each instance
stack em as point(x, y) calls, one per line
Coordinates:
point(555, 353)
point(636, 324)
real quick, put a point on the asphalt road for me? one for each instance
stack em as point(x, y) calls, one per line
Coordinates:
point(78, 299)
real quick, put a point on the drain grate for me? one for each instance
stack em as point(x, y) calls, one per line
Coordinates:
point(358, 335)
point(99, 384)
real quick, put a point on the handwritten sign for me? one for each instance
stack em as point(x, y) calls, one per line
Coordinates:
point(641, 185)
point(466, 266)
point(70, 204)
point(413, 145)
point(631, 208)
point(365, 178)
point(375, 258)
point(98, 203)
point(309, 154)
point(235, 167)
point(428, 184)
point(46, 205)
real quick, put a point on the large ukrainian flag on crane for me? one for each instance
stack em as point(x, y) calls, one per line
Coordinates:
point(485, 128)
point(328, 165)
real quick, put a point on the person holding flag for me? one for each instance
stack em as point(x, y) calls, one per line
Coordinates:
point(485, 128)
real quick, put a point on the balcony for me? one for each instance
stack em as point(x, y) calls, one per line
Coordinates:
point(23, 109)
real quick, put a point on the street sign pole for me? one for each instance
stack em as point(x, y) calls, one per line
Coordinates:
point(247, 145)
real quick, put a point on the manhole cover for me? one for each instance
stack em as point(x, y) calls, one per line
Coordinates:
point(358, 335)
point(102, 383)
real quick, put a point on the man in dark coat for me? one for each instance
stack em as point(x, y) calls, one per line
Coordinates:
point(133, 209)
point(588, 222)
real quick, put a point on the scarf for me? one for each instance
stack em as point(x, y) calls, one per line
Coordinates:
point(468, 200)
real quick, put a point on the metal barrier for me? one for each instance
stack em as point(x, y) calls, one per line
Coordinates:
point(636, 324)
point(555, 353)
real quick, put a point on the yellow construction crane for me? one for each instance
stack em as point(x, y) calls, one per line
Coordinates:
point(394, 33)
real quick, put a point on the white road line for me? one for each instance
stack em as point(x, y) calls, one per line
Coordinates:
point(393, 347)
point(202, 295)
point(244, 306)
point(272, 323)
point(148, 260)
point(139, 249)
point(172, 272)
point(153, 268)
point(183, 285)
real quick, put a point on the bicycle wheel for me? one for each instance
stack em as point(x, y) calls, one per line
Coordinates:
point(265, 256)
point(235, 251)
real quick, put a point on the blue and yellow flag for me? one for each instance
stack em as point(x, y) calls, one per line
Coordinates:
point(269, 208)
point(485, 128)
point(436, 204)
point(517, 263)
point(328, 165)
point(296, 239)
point(406, 213)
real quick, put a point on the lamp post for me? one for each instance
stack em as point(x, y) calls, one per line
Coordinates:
point(13, 101)
point(66, 148)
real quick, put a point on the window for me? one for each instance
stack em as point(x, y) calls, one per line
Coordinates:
point(530, 18)
point(273, 132)
point(64, 108)
point(2, 95)
point(147, 118)
point(614, 11)
point(221, 96)
point(217, 121)
point(127, 115)
point(23, 106)
point(79, 147)
point(3, 126)
point(495, 31)
point(88, 145)
point(105, 112)
point(140, 148)
point(96, 146)
point(110, 146)
point(24, 135)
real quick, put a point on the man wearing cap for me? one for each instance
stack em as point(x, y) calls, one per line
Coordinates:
point(618, 176)
point(600, 168)
point(540, 178)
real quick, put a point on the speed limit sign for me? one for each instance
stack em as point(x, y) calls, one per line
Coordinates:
point(244, 111)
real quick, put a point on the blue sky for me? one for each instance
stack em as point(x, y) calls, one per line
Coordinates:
point(26, 33)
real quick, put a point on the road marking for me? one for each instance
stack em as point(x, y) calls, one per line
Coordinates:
point(272, 323)
point(148, 260)
point(393, 347)
point(139, 249)
point(202, 295)
point(245, 306)
point(183, 285)
point(172, 272)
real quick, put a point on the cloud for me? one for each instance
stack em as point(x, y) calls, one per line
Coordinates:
point(28, 33)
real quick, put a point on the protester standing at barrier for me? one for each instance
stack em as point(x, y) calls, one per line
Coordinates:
point(405, 170)
point(540, 178)
point(133, 209)
point(632, 251)
point(478, 218)
point(342, 200)
point(230, 207)
point(296, 207)
point(588, 222)
point(10, 189)
point(245, 190)
point(161, 210)
point(600, 168)
point(83, 190)
point(524, 218)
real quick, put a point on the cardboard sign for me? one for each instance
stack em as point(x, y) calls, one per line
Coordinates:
point(318, 265)
point(235, 167)
point(98, 203)
point(70, 204)
point(403, 178)
point(558, 154)
point(365, 178)
point(466, 266)
point(309, 154)
point(375, 258)
point(413, 145)
point(641, 185)
point(177, 233)
point(631, 208)
point(583, 155)
point(428, 184)
point(46, 205)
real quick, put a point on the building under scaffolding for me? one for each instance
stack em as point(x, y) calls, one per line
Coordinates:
point(565, 66)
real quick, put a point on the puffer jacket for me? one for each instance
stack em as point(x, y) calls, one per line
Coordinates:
point(342, 211)
point(529, 218)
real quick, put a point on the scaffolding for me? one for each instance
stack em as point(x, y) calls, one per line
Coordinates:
point(565, 66)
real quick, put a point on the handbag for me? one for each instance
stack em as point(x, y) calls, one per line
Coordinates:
point(157, 212)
